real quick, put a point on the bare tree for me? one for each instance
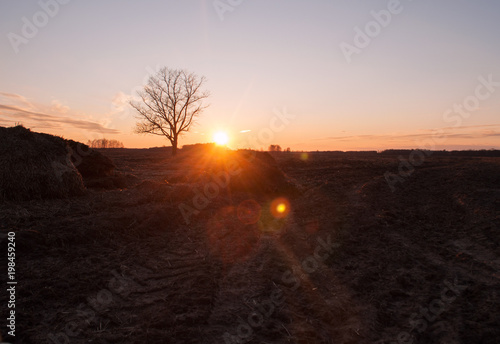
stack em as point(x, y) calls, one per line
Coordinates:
point(169, 103)
point(274, 148)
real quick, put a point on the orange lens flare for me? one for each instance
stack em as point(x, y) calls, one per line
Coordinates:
point(228, 238)
point(249, 212)
point(280, 207)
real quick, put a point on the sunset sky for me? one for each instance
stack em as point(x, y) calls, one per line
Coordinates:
point(345, 75)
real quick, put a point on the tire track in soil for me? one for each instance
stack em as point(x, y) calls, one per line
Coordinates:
point(169, 295)
point(476, 267)
point(180, 293)
point(319, 310)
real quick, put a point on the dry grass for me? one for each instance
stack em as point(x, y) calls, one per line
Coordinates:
point(34, 166)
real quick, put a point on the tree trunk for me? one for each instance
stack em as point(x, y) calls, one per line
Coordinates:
point(174, 147)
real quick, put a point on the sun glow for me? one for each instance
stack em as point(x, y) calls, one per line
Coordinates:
point(220, 138)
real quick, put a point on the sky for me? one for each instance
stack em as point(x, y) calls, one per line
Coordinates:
point(309, 75)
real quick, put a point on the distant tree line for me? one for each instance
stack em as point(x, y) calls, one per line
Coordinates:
point(104, 143)
point(476, 153)
point(277, 148)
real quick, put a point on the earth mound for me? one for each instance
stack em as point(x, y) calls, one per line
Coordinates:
point(97, 170)
point(89, 162)
point(243, 170)
point(35, 166)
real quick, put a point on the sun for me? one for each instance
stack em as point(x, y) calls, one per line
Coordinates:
point(220, 138)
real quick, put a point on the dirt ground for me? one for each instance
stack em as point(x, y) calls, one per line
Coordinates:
point(346, 261)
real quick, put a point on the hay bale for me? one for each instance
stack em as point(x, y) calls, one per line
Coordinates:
point(35, 166)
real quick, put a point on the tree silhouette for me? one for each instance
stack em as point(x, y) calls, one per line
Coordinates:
point(169, 103)
point(275, 148)
point(104, 143)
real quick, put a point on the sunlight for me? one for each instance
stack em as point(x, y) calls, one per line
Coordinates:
point(220, 138)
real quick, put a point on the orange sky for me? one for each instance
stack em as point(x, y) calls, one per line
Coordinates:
point(349, 76)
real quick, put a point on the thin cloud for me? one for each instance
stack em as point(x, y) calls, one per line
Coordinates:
point(453, 132)
point(57, 106)
point(466, 127)
point(40, 119)
point(120, 101)
point(12, 95)
point(16, 99)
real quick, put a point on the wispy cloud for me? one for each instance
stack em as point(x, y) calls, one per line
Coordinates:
point(16, 108)
point(472, 132)
point(12, 95)
point(57, 106)
point(120, 102)
point(15, 99)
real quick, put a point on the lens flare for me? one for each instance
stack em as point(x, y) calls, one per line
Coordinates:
point(249, 212)
point(280, 207)
point(228, 238)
